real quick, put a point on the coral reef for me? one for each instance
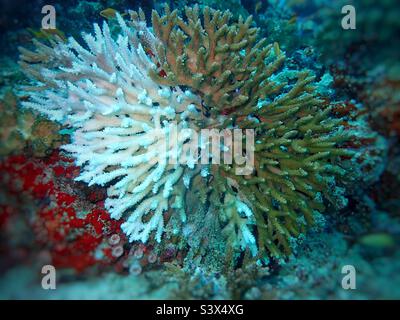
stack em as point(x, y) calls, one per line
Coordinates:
point(122, 99)
point(297, 140)
point(122, 139)
point(25, 131)
point(74, 231)
point(83, 141)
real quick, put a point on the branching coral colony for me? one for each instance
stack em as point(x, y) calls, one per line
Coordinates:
point(197, 71)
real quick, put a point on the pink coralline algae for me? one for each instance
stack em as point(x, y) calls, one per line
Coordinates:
point(75, 231)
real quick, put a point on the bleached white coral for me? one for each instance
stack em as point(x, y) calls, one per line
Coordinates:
point(122, 122)
point(240, 220)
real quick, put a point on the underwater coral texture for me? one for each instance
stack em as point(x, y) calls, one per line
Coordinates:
point(122, 98)
point(236, 149)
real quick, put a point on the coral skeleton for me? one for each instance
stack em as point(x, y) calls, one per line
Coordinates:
point(123, 97)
